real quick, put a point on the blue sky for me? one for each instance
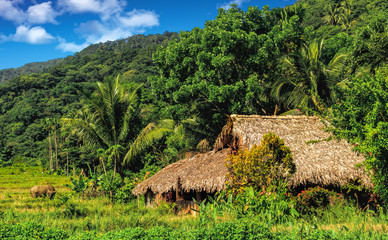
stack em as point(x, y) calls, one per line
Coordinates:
point(36, 30)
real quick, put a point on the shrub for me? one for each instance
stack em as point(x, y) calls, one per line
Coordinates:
point(29, 230)
point(262, 167)
point(111, 185)
point(79, 187)
point(361, 118)
point(308, 202)
point(242, 229)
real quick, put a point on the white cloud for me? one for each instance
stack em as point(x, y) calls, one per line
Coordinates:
point(113, 21)
point(36, 14)
point(90, 28)
point(112, 29)
point(226, 6)
point(103, 7)
point(70, 47)
point(42, 13)
point(139, 18)
point(3, 38)
point(10, 12)
point(79, 6)
point(35, 35)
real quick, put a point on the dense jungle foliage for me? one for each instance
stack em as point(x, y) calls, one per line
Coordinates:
point(145, 100)
point(36, 67)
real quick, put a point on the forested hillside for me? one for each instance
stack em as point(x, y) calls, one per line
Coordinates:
point(36, 67)
point(317, 57)
point(32, 104)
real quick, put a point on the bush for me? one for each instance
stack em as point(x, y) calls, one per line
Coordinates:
point(263, 167)
point(242, 229)
point(310, 201)
point(361, 118)
point(29, 230)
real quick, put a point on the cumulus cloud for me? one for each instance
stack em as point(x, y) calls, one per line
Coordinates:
point(226, 6)
point(35, 35)
point(42, 13)
point(90, 28)
point(36, 14)
point(139, 18)
point(9, 11)
point(112, 21)
point(77, 6)
point(103, 7)
point(116, 27)
point(70, 46)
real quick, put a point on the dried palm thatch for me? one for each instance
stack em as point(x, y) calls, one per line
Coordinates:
point(202, 172)
point(318, 158)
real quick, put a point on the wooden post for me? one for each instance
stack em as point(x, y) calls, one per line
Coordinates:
point(198, 197)
point(178, 192)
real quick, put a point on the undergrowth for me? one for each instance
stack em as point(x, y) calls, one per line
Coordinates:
point(249, 215)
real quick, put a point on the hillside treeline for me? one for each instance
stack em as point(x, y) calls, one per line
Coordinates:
point(30, 104)
point(316, 57)
point(36, 67)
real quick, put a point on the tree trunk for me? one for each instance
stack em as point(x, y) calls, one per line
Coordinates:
point(50, 153)
point(114, 168)
point(67, 164)
point(56, 148)
point(103, 165)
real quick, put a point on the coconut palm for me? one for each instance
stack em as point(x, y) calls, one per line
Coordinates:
point(307, 81)
point(109, 120)
point(346, 17)
point(332, 14)
point(48, 126)
point(54, 124)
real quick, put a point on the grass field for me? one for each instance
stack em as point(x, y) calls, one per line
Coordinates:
point(71, 216)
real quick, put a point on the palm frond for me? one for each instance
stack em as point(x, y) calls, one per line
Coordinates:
point(145, 139)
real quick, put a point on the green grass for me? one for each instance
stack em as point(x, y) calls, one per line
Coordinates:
point(98, 218)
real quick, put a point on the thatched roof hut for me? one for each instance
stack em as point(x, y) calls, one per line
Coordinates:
point(319, 159)
point(204, 172)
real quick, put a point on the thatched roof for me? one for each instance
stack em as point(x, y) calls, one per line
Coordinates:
point(202, 172)
point(318, 158)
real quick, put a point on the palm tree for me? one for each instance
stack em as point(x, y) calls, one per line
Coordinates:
point(54, 124)
point(107, 121)
point(308, 82)
point(332, 14)
point(48, 125)
point(346, 16)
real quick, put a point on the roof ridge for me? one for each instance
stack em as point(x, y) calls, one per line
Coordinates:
point(273, 117)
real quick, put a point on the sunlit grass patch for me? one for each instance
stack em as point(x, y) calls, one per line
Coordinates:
point(77, 214)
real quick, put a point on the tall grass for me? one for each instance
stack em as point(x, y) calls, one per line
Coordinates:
point(99, 218)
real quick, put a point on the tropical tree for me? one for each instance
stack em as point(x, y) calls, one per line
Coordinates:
point(346, 17)
point(54, 125)
point(109, 119)
point(48, 126)
point(224, 68)
point(360, 116)
point(371, 46)
point(307, 82)
point(332, 14)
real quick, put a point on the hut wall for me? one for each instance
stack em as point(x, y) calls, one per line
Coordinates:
point(186, 207)
point(149, 198)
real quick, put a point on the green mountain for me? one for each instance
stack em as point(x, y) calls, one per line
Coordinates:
point(26, 101)
point(35, 67)
point(232, 65)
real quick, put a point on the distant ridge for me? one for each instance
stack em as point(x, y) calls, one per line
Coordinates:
point(35, 67)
